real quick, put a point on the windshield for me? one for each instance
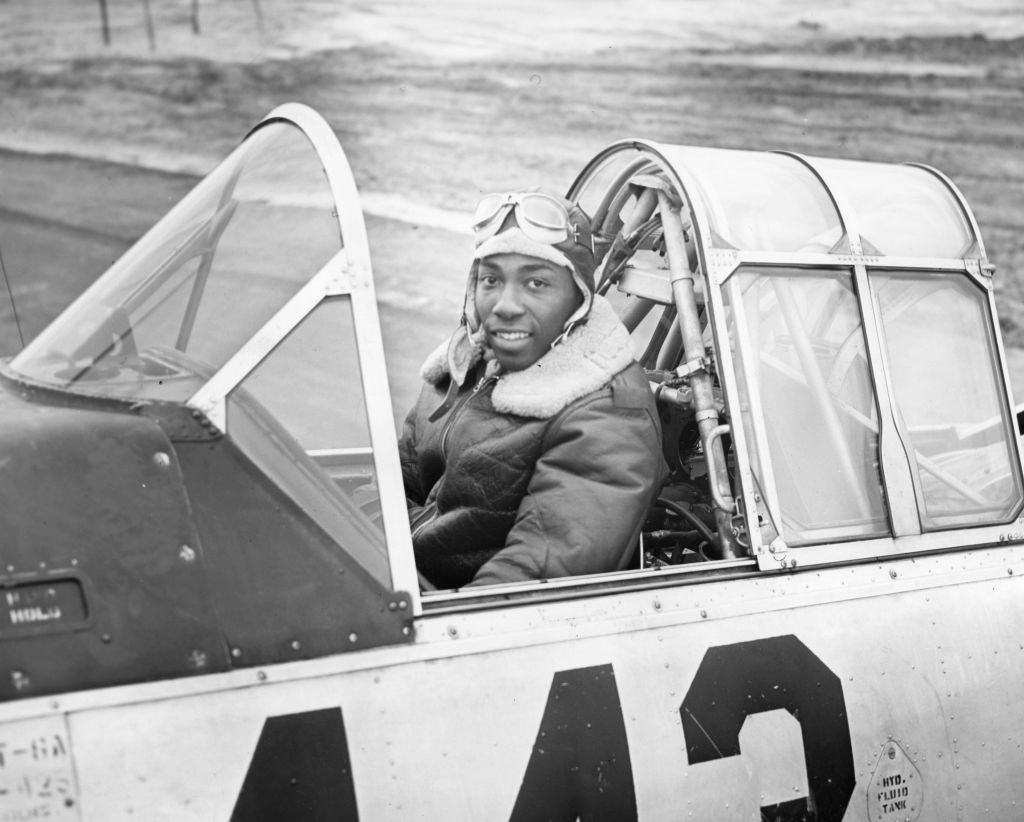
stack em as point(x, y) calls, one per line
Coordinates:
point(181, 301)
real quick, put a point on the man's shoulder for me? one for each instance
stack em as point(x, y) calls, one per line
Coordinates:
point(630, 388)
point(627, 389)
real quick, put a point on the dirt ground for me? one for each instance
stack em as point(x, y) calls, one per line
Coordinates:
point(436, 103)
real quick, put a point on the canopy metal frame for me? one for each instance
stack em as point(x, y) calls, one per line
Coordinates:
point(716, 264)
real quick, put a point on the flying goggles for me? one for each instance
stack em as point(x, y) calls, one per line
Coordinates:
point(540, 216)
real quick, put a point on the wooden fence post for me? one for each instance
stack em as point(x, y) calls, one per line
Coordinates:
point(259, 14)
point(105, 22)
point(150, 31)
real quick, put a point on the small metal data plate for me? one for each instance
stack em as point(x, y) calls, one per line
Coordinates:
point(52, 605)
point(896, 792)
point(37, 779)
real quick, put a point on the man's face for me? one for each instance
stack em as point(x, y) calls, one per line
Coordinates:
point(523, 303)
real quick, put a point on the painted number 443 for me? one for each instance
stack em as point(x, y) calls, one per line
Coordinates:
point(580, 766)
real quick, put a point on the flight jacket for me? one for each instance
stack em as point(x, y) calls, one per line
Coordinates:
point(534, 474)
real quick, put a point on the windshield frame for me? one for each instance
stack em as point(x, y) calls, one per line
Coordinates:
point(346, 274)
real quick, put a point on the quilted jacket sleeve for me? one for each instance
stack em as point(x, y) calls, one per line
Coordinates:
point(600, 470)
point(407, 454)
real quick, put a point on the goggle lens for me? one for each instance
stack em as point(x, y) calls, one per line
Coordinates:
point(539, 216)
point(543, 211)
point(487, 209)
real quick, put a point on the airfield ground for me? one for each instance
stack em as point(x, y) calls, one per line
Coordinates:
point(429, 120)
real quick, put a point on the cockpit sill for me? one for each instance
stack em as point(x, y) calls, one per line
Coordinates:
point(806, 559)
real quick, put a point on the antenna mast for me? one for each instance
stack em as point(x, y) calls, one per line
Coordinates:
point(10, 296)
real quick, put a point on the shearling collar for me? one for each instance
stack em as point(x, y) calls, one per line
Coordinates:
point(583, 362)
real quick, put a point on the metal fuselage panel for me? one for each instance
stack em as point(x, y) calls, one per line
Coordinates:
point(282, 588)
point(850, 692)
point(102, 579)
point(132, 554)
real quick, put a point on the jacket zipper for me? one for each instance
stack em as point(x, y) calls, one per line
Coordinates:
point(425, 523)
point(458, 410)
point(481, 384)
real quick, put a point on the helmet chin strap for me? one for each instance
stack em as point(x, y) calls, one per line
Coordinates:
point(569, 328)
point(557, 341)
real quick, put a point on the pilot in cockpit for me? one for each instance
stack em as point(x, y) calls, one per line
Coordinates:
point(534, 449)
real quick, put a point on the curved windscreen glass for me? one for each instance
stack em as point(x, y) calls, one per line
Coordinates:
point(197, 286)
point(901, 210)
point(759, 201)
point(604, 192)
point(597, 190)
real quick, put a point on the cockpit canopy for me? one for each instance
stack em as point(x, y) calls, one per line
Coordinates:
point(848, 306)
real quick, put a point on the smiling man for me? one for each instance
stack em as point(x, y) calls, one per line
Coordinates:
point(534, 449)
